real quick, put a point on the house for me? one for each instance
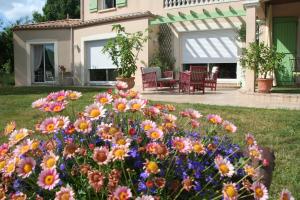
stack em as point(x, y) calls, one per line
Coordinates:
point(197, 32)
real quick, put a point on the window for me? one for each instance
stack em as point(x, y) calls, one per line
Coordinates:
point(106, 4)
point(43, 63)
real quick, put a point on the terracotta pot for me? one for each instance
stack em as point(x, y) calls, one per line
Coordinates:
point(130, 81)
point(264, 85)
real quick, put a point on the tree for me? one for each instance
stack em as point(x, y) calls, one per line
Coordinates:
point(58, 9)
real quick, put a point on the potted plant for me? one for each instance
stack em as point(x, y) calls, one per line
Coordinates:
point(124, 50)
point(264, 61)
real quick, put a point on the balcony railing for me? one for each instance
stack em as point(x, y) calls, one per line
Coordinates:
point(184, 3)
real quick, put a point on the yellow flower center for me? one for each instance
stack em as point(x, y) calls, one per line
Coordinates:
point(254, 153)
point(72, 96)
point(61, 123)
point(179, 145)
point(121, 141)
point(10, 168)
point(121, 107)
point(169, 125)
point(47, 108)
point(152, 167)
point(49, 180)
point(250, 141)
point(198, 148)
point(9, 128)
point(50, 162)
point(19, 136)
point(223, 168)
point(57, 108)
point(65, 196)
point(2, 164)
point(95, 113)
point(25, 148)
point(154, 135)
point(119, 153)
point(250, 171)
point(136, 106)
point(259, 192)
point(229, 128)
point(27, 168)
point(103, 100)
point(230, 191)
point(60, 98)
point(147, 127)
point(50, 127)
point(83, 125)
point(113, 130)
point(213, 120)
point(123, 196)
point(35, 145)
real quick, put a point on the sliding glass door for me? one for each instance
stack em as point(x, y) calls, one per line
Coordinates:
point(43, 63)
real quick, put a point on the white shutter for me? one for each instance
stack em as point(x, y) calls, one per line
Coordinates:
point(96, 59)
point(215, 46)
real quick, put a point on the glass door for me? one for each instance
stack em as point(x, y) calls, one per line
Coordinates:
point(43, 63)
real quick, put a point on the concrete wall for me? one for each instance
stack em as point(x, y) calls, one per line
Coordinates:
point(22, 54)
point(88, 33)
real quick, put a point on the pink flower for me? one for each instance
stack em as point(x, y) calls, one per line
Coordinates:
point(65, 193)
point(123, 94)
point(120, 105)
point(224, 166)
point(94, 111)
point(194, 114)
point(62, 122)
point(39, 103)
point(57, 106)
point(230, 192)
point(4, 149)
point(145, 197)
point(48, 179)
point(101, 155)
point(59, 96)
point(83, 125)
point(229, 127)
point(136, 104)
point(286, 195)
point(214, 119)
point(120, 85)
point(182, 145)
point(122, 193)
point(73, 95)
point(103, 98)
point(260, 191)
point(49, 125)
point(25, 167)
point(147, 125)
point(155, 134)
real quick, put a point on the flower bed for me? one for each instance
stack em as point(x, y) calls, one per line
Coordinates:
point(122, 147)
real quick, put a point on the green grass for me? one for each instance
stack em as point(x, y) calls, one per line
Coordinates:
point(286, 89)
point(277, 129)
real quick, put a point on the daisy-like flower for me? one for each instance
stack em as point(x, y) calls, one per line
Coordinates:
point(123, 94)
point(151, 167)
point(107, 131)
point(121, 140)
point(59, 96)
point(18, 135)
point(70, 150)
point(49, 161)
point(193, 114)
point(83, 125)
point(9, 128)
point(62, 122)
point(169, 118)
point(155, 134)
point(35, 144)
point(250, 140)
point(3, 162)
point(10, 167)
point(96, 180)
point(133, 94)
point(214, 119)
point(151, 147)
point(194, 123)
point(251, 171)
point(46, 107)
point(224, 166)
point(26, 167)
point(182, 145)
point(4, 148)
point(18, 196)
point(101, 155)
point(198, 147)
point(152, 111)
point(122, 193)
point(23, 148)
point(48, 179)
point(120, 105)
point(65, 193)
point(103, 98)
point(136, 104)
point(286, 195)
point(255, 152)
point(94, 111)
point(57, 106)
point(260, 191)
point(147, 125)
point(73, 95)
point(120, 85)
point(229, 127)
point(119, 152)
point(49, 125)
point(145, 197)
point(230, 192)
point(39, 103)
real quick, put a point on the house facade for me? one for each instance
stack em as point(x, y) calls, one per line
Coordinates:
point(196, 32)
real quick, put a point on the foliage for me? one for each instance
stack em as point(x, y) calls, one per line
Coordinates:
point(58, 9)
point(261, 58)
point(242, 33)
point(7, 79)
point(124, 50)
point(164, 62)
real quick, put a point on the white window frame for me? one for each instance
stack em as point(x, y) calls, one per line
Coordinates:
point(29, 51)
point(101, 4)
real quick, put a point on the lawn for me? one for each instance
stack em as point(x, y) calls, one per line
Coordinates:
point(277, 129)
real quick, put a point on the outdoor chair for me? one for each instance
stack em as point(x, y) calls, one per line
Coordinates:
point(211, 79)
point(194, 79)
point(153, 78)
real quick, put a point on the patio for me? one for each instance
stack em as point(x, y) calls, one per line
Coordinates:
point(227, 97)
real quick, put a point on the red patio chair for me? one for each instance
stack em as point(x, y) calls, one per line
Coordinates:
point(149, 79)
point(194, 79)
point(211, 80)
point(153, 78)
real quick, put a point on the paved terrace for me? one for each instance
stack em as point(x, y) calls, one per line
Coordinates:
point(227, 96)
